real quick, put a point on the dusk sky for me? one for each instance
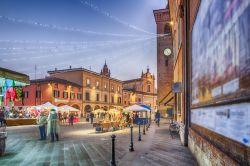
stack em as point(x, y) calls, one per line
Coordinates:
point(79, 33)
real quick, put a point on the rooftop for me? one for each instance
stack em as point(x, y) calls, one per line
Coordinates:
point(55, 80)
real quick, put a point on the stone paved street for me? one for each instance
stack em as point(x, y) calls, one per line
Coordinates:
point(80, 145)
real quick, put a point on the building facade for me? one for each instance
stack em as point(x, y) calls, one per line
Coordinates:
point(54, 90)
point(99, 89)
point(211, 62)
point(140, 91)
point(164, 60)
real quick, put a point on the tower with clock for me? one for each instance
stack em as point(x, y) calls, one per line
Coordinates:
point(164, 58)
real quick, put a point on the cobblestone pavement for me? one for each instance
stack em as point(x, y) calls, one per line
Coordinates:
point(80, 145)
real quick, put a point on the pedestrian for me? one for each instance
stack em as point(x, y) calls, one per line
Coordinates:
point(2, 120)
point(91, 117)
point(53, 125)
point(71, 119)
point(157, 118)
point(42, 121)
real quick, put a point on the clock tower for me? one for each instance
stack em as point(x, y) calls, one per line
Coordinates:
point(164, 59)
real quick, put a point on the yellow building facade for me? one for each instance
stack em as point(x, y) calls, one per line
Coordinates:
point(140, 91)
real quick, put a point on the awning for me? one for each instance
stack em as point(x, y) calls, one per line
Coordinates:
point(13, 75)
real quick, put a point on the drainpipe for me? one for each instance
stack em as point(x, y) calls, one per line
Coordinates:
point(186, 71)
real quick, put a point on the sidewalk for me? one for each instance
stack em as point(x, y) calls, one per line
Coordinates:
point(80, 145)
point(158, 148)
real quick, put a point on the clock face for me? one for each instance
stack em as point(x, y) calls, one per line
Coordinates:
point(167, 51)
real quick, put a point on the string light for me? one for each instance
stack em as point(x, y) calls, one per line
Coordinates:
point(68, 29)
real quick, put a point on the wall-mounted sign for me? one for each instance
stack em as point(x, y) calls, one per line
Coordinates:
point(177, 87)
point(220, 51)
point(232, 121)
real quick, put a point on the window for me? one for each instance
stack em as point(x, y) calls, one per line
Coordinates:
point(38, 94)
point(97, 84)
point(118, 89)
point(148, 88)
point(119, 100)
point(166, 62)
point(56, 85)
point(167, 29)
point(88, 82)
point(65, 95)
point(105, 98)
point(26, 94)
point(112, 88)
point(105, 85)
point(87, 97)
point(112, 99)
point(97, 97)
point(72, 95)
point(79, 96)
point(56, 93)
point(65, 87)
point(124, 102)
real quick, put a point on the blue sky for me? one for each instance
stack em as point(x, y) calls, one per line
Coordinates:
point(81, 33)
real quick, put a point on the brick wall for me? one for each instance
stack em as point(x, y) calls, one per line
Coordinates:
point(206, 153)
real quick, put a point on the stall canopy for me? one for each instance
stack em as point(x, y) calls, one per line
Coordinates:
point(146, 106)
point(136, 108)
point(47, 105)
point(113, 111)
point(66, 108)
point(13, 75)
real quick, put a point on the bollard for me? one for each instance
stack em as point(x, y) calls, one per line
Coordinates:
point(139, 139)
point(143, 128)
point(112, 162)
point(131, 147)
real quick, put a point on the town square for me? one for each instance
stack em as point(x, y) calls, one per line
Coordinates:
point(124, 82)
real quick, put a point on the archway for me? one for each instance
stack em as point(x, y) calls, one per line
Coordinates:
point(87, 109)
point(76, 106)
point(97, 107)
point(105, 108)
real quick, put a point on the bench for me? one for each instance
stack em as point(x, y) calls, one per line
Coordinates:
point(174, 127)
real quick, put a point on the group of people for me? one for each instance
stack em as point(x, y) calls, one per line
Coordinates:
point(52, 123)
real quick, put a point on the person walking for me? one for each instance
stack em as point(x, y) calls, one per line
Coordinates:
point(157, 118)
point(71, 119)
point(91, 117)
point(2, 120)
point(42, 121)
point(53, 125)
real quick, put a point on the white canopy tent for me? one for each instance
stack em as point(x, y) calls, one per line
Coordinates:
point(99, 111)
point(135, 108)
point(46, 105)
point(66, 108)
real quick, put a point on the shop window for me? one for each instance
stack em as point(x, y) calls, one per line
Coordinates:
point(87, 97)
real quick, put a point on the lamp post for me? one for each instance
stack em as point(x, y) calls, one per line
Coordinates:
point(139, 139)
point(144, 128)
point(112, 162)
point(131, 147)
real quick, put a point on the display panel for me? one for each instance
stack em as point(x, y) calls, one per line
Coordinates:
point(221, 51)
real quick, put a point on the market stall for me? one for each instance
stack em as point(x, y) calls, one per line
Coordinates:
point(66, 110)
point(138, 114)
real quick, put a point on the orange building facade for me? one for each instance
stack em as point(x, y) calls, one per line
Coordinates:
point(54, 90)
